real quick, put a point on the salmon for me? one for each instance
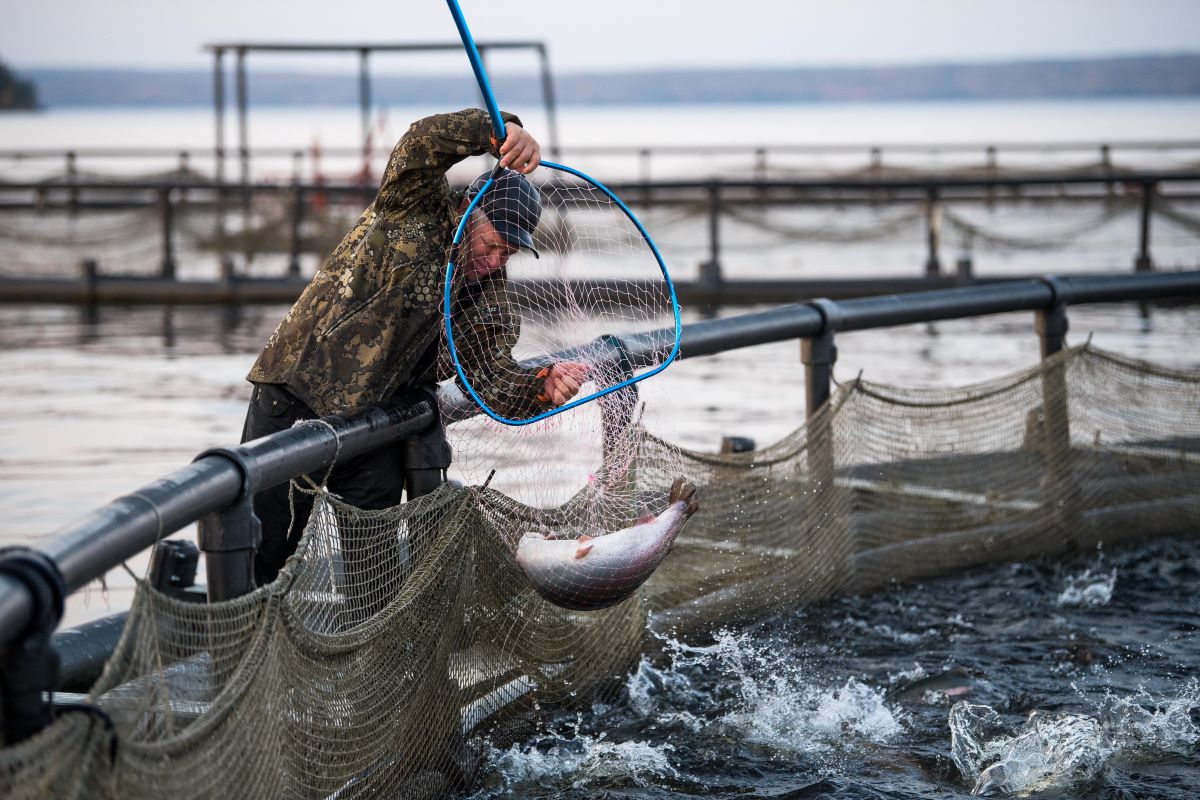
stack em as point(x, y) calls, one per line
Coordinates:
point(594, 572)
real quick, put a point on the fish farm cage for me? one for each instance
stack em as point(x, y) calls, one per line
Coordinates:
point(394, 641)
point(189, 239)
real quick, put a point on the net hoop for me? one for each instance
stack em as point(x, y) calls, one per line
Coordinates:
point(447, 302)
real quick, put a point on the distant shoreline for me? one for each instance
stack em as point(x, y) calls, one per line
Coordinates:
point(1130, 77)
point(733, 104)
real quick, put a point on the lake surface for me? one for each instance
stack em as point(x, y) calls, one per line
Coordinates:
point(94, 404)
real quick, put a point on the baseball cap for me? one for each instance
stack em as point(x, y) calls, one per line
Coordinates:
point(512, 204)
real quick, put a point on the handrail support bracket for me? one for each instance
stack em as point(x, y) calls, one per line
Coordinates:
point(29, 664)
point(230, 537)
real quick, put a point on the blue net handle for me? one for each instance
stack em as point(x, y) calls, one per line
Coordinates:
point(480, 74)
point(447, 298)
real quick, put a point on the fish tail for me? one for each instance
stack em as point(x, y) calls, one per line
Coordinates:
point(684, 491)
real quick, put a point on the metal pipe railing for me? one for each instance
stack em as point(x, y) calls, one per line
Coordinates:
point(921, 183)
point(716, 195)
point(1103, 151)
point(130, 524)
point(812, 319)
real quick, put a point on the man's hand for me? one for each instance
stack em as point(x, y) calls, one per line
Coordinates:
point(562, 381)
point(520, 151)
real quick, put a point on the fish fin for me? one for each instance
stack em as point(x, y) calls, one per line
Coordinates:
point(583, 546)
point(645, 516)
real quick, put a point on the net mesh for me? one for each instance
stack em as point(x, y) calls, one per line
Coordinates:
point(593, 275)
point(758, 231)
point(397, 644)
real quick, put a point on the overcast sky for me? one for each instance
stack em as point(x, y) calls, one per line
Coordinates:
point(605, 35)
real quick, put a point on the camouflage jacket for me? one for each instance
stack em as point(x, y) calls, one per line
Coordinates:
point(363, 327)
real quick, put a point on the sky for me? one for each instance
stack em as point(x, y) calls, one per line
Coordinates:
point(610, 35)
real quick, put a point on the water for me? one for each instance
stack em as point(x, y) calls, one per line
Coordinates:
point(95, 404)
point(1045, 699)
point(865, 124)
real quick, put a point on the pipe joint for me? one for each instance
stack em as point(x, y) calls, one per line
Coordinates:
point(1052, 323)
point(1060, 290)
point(820, 350)
point(831, 314)
point(236, 527)
point(29, 665)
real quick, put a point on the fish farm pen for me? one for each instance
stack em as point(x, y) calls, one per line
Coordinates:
point(237, 224)
point(394, 679)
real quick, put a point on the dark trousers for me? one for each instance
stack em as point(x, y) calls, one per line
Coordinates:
point(369, 481)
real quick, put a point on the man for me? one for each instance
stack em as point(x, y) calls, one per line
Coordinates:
point(368, 326)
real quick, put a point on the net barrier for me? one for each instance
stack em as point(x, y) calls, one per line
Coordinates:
point(396, 645)
point(590, 255)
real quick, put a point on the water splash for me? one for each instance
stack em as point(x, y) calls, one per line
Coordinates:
point(1089, 588)
point(592, 760)
point(886, 631)
point(775, 703)
point(1051, 751)
point(1057, 751)
point(664, 695)
point(788, 715)
point(906, 675)
point(1140, 727)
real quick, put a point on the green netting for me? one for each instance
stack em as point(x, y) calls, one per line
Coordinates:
point(397, 643)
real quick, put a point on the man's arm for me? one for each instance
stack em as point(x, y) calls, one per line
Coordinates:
point(485, 342)
point(434, 144)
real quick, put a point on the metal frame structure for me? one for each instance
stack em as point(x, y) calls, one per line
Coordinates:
point(712, 287)
point(215, 489)
point(763, 155)
point(364, 50)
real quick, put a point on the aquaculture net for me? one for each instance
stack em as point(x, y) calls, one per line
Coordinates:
point(396, 644)
point(585, 277)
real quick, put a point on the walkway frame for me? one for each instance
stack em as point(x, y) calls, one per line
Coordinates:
point(364, 51)
point(712, 287)
point(215, 489)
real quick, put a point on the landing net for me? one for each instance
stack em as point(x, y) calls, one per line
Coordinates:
point(397, 644)
point(589, 276)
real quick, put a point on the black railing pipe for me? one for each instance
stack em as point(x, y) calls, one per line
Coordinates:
point(875, 154)
point(1126, 288)
point(819, 354)
point(803, 320)
point(1143, 262)
point(752, 188)
point(85, 649)
point(551, 103)
point(971, 301)
point(167, 267)
point(917, 183)
point(130, 524)
point(364, 101)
